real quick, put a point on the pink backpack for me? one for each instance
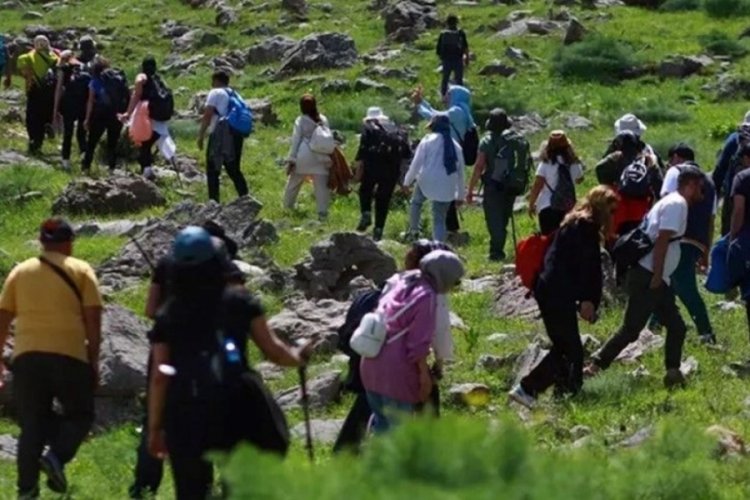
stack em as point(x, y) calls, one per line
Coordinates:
point(140, 124)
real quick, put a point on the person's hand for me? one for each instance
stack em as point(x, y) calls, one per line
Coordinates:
point(200, 143)
point(470, 198)
point(532, 210)
point(417, 95)
point(3, 373)
point(157, 444)
point(703, 263)
point(290, 165)
point(425, 386)
point(656, 282)
point(123, 117)
point(588, 311)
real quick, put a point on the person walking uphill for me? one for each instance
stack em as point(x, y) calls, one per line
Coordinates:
point(71, 96)
point(570, 284)
point(38, 69)
point(399, 378)
point(739, 227)
point(224, 143)
point(437, 170)
point(648, 280)
point(57, 307)
point(728, 164)
point(303, 162)
point(453, 51)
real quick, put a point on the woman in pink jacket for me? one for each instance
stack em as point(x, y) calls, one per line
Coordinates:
point(399, 377)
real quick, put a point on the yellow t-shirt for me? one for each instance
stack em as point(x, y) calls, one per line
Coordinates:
point(48, 314)
point(38, 63)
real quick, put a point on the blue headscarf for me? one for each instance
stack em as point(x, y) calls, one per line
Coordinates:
point(461, 97)
point(441, 124)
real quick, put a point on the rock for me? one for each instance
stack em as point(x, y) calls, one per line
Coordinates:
point(260, 30)
point(335, 262)
point(689, 366)
point(225, 15)
point(124, 227)
point(303, 320)
point(497, 68)
point(13, 159)
point(729, 443)
point(175, 62)
point(298, 8)
point(575, 32)
point(472, 395)
point(579, 431)
point(365, 84)
point(511, 299)
point(516, 54)
point(113, 195)
point(124, 353)
point(263, 111)
point(529, 124)
point(728, 306)
point(404, 35)
point(8, 447)
point(481, 285)
point(418, 15)
point(31, 15)
point(323, 390)
point(323, 431)
point(336, 86)
point(195, 39)
point(269, 371)
point(528, 359)
point(231, 62)
point(173, 29)
point(647, 342)
point(493, 363)
point(575, 122)
point(319, 51)
point(638, 438)
point(12, 115)
point(683, 66)
point(270, 50)
point(498, 338)
point(739, 369)
point(378, 56)
point(541, 26)
point(731, 87)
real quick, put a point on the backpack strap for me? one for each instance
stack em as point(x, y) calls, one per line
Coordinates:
point(397, 316)
point(64, 276)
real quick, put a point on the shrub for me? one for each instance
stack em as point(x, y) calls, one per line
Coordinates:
point(719, 43)
point(680, 5)
point(726, 8)
point(597, 58)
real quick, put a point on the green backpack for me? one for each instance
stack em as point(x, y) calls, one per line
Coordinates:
point(512, 164)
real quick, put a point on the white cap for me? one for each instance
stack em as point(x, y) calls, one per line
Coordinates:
point(630, 122)
point(375, 113)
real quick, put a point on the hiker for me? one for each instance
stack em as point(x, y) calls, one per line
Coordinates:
point(303, 162)
point(56, 303)
point(71, 93)
point(108, 96)
point(224, 143)
point(739, 227)
point(38, 68)
point(499, 146)
point(195, 407)
point(453, 51)
point(150, 87)
point(632, 123)
point(87, 50)
point(648, 280)
point(462, 127)
point(355, 425)
point(553, 193)
point(5, 62)
point(382, 147)
point(437, 171)
point(569, 285)
point(696, 243)
point(399, 377)
point(635, 177)
point(727, 165)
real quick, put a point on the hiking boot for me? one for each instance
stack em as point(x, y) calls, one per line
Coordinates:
point(322, 217)
point(497, 257)
point(66, 166)
point(377, 234)
point(708, 339)
point(364, 222)
point(674, 379)
point(521, 397)
point(149, 174)
point(29, 495)
point(55, 472)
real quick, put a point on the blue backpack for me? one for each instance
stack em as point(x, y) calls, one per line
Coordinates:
point(239, 115)
point(3, 51)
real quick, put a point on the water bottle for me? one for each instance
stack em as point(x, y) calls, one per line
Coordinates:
point(231, 351)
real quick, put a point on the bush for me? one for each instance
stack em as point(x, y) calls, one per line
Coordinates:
point(726, 8)
point(680, 5)
point(597, 58)
point(720, 44)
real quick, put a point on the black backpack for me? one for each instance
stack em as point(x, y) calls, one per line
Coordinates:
point(160, 99)
point(564, 193)
point(469, 144)
point(452, 43)
point(77, 90)
point(635, 181)
point(49, 80)
point(116, 95)
point(365, 302)
point(387, 141)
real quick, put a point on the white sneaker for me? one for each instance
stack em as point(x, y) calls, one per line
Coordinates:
point(148, 173)
point(521, 397)
point(66, 165)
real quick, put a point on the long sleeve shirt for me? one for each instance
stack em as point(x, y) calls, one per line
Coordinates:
point(428, 170)
point(307, 162)
point(724, 164)
point(459, 121)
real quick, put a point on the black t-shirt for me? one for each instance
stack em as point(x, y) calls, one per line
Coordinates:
point(741, 187)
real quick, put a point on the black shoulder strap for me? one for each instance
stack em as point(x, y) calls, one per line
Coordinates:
point(64, 276)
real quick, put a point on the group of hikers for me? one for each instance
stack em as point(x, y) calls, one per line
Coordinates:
point(654, 216)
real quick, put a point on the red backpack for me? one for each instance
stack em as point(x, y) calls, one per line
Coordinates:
point(530, 254)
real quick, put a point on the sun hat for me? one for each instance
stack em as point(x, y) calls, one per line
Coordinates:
point(630, 122)
point(375, 113)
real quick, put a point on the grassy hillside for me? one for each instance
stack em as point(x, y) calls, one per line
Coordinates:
point(676, 464)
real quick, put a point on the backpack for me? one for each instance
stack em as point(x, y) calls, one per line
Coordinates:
point(470, 146)
point(630, 248)
point(160, 99)
point(372, 333)
point(239, 115)
point(115, 95)
point(387, 141)
point(365, 302)
point(635, 181)
point(452, 43)
point(77, 89)
point(512, 164)
point(564, 193)
point(49, 80)
point(530, 253)
point(718, 279)
point(140, 129)
point(322, 141)
point(3, 51)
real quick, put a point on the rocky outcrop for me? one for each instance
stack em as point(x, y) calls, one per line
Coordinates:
point(114, 195)
point(270, 50)
point(302, 320)
point(319, 51)
point(322, 391)
point(416, 15)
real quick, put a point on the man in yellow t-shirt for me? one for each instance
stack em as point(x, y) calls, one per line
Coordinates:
point(38, 67)
point(55, 302)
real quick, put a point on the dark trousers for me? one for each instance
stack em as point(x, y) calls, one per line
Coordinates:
point(550, 220)
point(563, 365)
point(73, 124)
point(38, 380)
point(145, 153)
point(642, 303)
point(451, 220)
point(39, 104)
point(98, 126)
point(149, 471)
point(355, 426)
point(685, 286)
point(726, 215)
point(213, 172)
point(381, 188)
point(455, 67)
point(498, 208)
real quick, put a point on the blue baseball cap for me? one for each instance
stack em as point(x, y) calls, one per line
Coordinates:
point(194, 245)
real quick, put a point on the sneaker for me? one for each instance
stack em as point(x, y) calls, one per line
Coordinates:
point(674, 379)
point(364, 222)
point(377, 234)
point(55, 472)
point(708, 339)
point(149, 174)
point(29, 495)
point(521, 397)
point(66, 165)
point(322, 217)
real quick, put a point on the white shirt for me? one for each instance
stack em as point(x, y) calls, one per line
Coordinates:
point(306, 161)
point(219, 100)
point(669, 214)
point(550, 171)
point(442, 342)
point(429, 172)
point(671, 184)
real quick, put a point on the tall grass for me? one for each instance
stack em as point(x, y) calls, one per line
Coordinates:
point(596, 58)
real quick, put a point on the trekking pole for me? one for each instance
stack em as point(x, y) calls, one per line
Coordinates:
point(143, 252)
point(173, 162)
point(513, 230)
point(306, 411)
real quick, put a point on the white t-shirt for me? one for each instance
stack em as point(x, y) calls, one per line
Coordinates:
point(219, 100)
point(549, 171)
point(670, 183)
point(669, 214)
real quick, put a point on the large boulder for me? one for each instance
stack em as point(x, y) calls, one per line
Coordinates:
point(194, 39)
point(302, 320)
point(270, 50)
point(335, 262)
point(324, 432)
point(419, 15)
point(297, 8)
point(114, 195)
point(322, 391)
point(512, 299)
point(124, 353)
point(319, 51)
point(683, 66)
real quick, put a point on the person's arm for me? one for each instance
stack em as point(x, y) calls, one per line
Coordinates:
point(296, 142)
point(461, 173)
point(92, 320)
point(425, 110)
point(476, 175)
point(58, 96)
point(724, 161)
point(589, 268)
point(439, 46)
point(89, 109)
point(660, 255)
point(153, 300)
point(6, 318)
point(418, 341)
point(273, 348)
point(157, 395)
point(208, 114)
point(536, 188)
point(135, 97)
point(415, 167)
point(738, 216)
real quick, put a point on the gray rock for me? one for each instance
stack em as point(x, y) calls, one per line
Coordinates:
point(124, 227)
point(31, 15)
point(336, 86)
point(270, 50)
point(728, 306)
point(335, 262)
point(323, 391)
point(14, 159)
point(365, 84)
point(303, 320)
point(689, 366)
point(511, 299)
point(683, 66)
point(175, 62)
point(530, 123)
point(575, 32)
point(481, 285)
point(492, 363)
point(173, 29)
point(114, 195)
point(647, 342)
point(498, 338)
point(195, 39)
point(579, 432)
point(541, 26)
point(418, 15)
point(263, 111)
point(323, 431)
point(225, 15)
point(730, 87)
point(231, 62)
point(576, 122)
point(517, 54)
point(528, 359)
point(8, 447)
point(497, 68)
point(404, 35)
point(298, 8)
point(378, 56)
point(319, 51)
point(12, 115)
point(637, 439)
point(269, 371)
point(124, 353)
point(729, 443)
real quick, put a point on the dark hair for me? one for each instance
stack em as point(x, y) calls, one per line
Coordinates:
point(745, 151)
point(100, 64)
point(221, 77)
point(689, 173)
point(148, 66)
point(683, 151)
point(452, 21)
point(498, 121)
point(217, 231)
point(309, 107)
point(196, 282)
point(420, 249)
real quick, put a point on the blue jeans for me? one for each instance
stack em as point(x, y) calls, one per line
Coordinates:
point(455, 66)
point(386, 411)
point(439, 214)
point(685, 287)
